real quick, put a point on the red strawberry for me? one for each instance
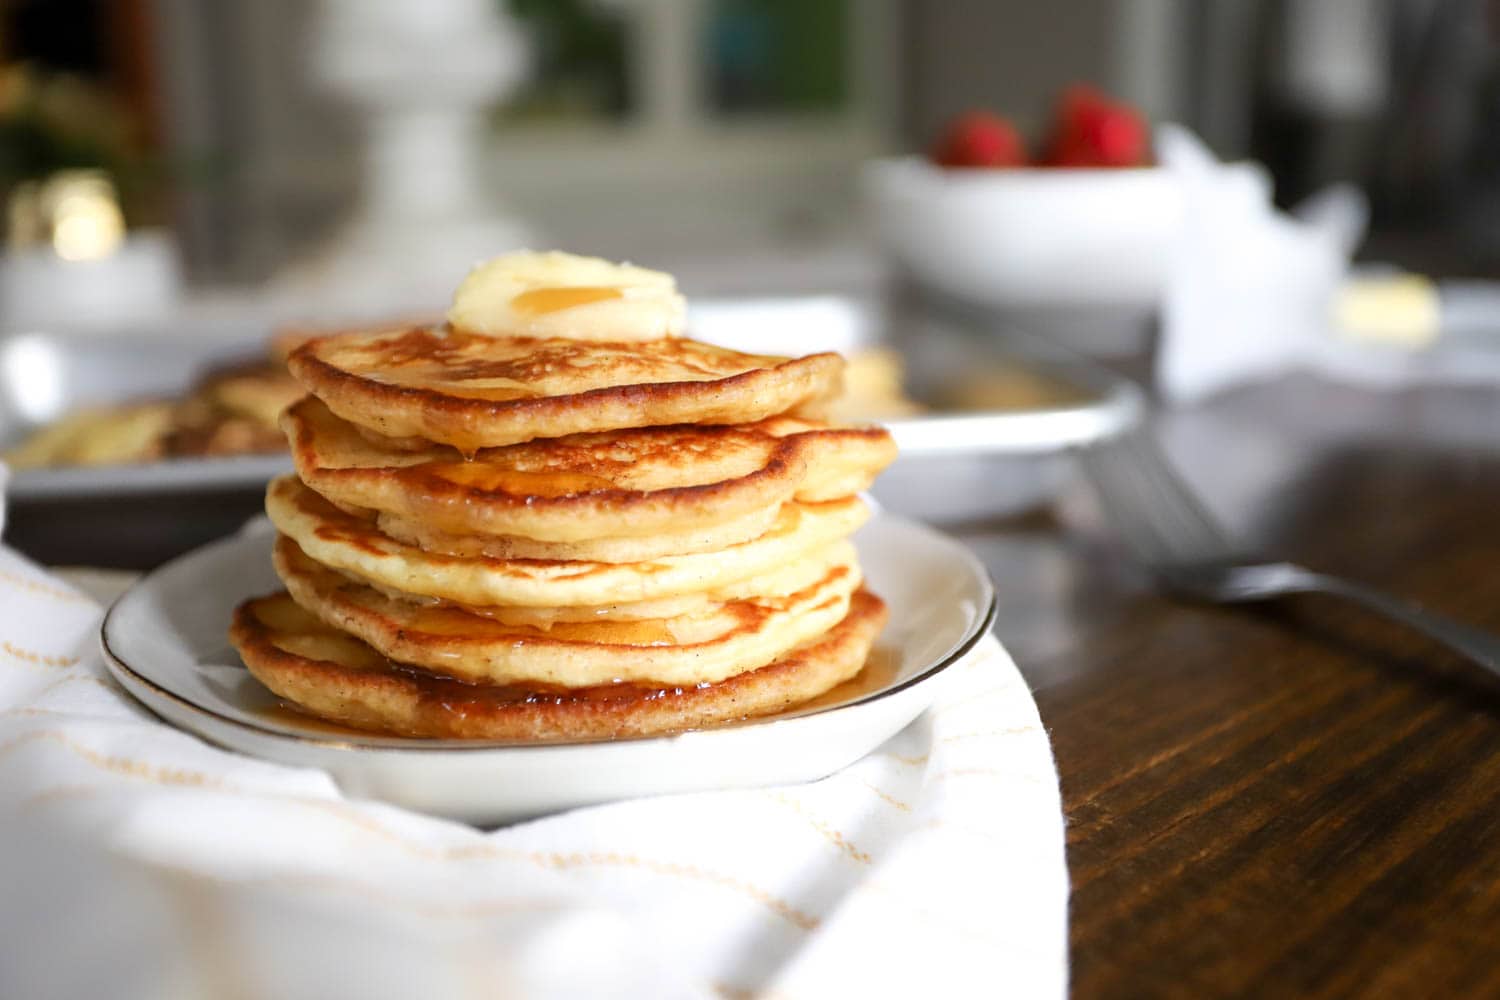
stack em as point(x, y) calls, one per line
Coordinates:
point(980, 139)
point(1093, 130)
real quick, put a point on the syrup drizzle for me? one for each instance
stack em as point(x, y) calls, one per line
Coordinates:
point(515, 482)
point(463, 699)
point(542, 301)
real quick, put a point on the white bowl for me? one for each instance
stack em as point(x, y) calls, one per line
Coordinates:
point(1029, 237)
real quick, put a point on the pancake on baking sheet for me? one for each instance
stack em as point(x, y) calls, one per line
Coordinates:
point(632, 483)
point(352, 545)
point(337, 677)
point(471, 391)
point(233, 411)
point(738, 636)
point(227, 411)
point(106, 435)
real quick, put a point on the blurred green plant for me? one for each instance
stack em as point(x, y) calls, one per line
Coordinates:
point(580, 61)
point(53, 122)
point(777, 55)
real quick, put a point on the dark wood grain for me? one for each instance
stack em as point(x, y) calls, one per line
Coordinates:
point(1295, 798)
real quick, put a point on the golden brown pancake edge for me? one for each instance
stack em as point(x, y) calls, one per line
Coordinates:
point(352, 545)
point(470, 423)
point(749, 634)
point(406, 703)
point(817, 463)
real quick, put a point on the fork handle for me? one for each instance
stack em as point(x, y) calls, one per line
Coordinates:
point(1481, 647)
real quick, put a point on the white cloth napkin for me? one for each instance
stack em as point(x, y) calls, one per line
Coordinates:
point(139, 861)
point(1249, 290)
point(1252, 292)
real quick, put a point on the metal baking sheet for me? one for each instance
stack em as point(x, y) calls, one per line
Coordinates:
point(957, 466)
point(45, 375)
point(935, 351)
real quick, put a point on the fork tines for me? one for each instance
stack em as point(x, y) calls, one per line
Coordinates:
point(1156, 512)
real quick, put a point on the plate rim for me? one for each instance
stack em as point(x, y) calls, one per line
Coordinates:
point(972, 636)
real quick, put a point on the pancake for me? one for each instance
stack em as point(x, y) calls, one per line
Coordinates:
point(471, 391)
point(631, 483)
point(710, 538)
point(353, 545)
point(742, 635)
point(338, 678)
point(796, 575)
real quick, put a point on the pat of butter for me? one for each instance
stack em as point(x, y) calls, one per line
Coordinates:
point(554, 294)
point(1402, 310)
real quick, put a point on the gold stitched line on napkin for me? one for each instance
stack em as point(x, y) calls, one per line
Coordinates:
point(378, 894)
point(943, 708)
point(781, 908)
point(71, 678)
point(729, 992)
point(998, 837)
point(830, 833)
point(118, 765)
point(562, 862)
point(1008, 731)
point(915, 761)
point(28, 711)
point(206, 925)
point(37, 659)
point(30, 585)
point(59, 793)
point(304, 881)
point(555, 860)
point(987, 772)
point(886, 796)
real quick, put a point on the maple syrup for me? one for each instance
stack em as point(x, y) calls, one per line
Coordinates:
point(464, 699)
point(878, 673)
point(449, 621)
point(496, 479)
point(541, 301)
point(287, 715)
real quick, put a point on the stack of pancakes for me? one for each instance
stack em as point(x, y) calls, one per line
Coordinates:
point(543, 537)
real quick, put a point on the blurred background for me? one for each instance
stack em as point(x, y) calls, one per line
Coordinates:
point(1176, 188)
point(293, 149)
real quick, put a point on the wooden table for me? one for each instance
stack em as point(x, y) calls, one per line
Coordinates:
point(1296, 798)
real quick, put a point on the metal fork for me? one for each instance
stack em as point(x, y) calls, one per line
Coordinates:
point(1166, 528)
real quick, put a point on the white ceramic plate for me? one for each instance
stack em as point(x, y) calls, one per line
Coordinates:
point(165, 641)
